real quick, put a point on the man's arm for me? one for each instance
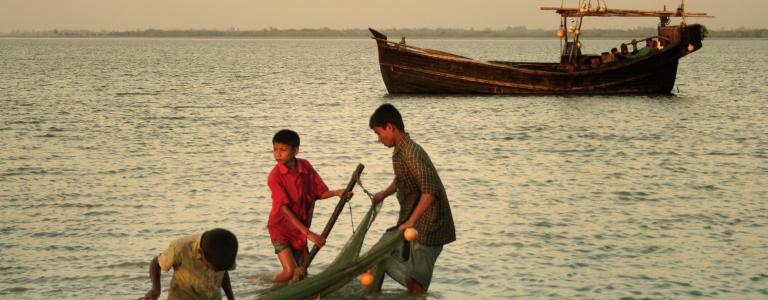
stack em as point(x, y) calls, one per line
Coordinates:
point(227, 286)
point(154, 275)
point(288, 214)
point(391, 189)
point(424, 202)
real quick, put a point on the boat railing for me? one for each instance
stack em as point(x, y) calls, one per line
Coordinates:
point(666, 41)
point(402, 45)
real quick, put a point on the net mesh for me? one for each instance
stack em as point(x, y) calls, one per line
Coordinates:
point(345, 267)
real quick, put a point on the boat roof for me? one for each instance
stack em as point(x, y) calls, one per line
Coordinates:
point(576, 12)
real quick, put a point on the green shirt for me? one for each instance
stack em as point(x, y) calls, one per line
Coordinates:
point(643, 51)
point(192, 279)
point(416, 175)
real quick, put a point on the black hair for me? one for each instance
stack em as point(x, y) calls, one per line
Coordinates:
point(219, 248)
point(288, 137)
point(387, 113)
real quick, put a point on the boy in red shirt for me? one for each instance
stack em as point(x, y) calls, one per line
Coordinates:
point(295, 186)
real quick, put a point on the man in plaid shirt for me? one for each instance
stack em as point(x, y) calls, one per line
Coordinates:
point(423, 205)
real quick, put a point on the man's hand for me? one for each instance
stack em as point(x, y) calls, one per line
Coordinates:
point(406, 225)
point(379, 196)
point(317, 240)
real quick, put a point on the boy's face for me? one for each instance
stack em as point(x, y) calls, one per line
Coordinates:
point(205, 261)
point(386, 135)
point(284, 153)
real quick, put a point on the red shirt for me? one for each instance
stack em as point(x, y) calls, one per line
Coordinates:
point(298, 191)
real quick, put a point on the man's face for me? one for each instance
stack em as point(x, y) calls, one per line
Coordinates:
point(386, 135)
point(284, 153)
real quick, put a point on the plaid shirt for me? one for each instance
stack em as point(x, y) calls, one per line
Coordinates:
point(416, 175)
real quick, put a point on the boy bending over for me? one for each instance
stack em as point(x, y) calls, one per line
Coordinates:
point(200, 266)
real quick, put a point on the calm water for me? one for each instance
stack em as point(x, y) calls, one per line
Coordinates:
point(111, 148)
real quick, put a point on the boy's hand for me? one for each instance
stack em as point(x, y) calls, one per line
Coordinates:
point(317, 240)
point(406, 225)
point(350, 194)
point(153, 294)
point(379, 196)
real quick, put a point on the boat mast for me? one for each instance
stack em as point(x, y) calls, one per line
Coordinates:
point(564, 36)
point(584, 6)
point(682, 12)
point(564, 29)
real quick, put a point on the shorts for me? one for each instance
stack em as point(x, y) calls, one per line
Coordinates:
point(298, 254)
point(414, 260)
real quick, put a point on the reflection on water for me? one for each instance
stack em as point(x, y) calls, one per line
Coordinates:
point(111, 148)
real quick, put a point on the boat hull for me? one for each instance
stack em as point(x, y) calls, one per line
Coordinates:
point(415, 70)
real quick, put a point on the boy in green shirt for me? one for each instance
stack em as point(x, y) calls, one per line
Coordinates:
point(200, 266)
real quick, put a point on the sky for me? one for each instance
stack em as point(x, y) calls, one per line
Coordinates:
point(120, 15)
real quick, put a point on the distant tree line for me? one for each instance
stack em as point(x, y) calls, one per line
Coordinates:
point(509, 32)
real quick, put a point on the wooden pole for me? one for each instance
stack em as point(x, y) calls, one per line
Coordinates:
point(336, 212)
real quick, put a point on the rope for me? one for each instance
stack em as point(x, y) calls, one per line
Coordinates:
point(360, 184)
point(351, 219)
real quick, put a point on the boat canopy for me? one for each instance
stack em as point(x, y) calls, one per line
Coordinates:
point(576, 12)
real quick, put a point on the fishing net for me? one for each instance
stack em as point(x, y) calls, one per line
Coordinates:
point(345, 267)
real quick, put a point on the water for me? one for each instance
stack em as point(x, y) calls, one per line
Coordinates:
point(111, 148)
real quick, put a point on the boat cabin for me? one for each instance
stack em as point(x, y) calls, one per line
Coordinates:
point(667, 36)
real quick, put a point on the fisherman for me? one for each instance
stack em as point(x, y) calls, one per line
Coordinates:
point(634, 46)
point(617, 56)
point(606, 57)
point(295, 186)
point(423, 205)
point(645, 50)
point(624, 51)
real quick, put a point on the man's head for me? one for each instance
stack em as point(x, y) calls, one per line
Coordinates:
point(388, 125)
point(219, 248)
point(285, 145)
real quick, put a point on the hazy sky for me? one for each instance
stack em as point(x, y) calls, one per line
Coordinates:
point(342, 14)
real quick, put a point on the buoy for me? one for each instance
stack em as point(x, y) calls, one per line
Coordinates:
point(691, 47)
point(571, 29)
point(560, 33)
point(366, 279)
point(410, 234)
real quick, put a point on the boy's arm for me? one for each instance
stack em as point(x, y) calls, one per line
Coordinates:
point(329, 194)
point(154, 275)
point(288, 214)
point(227, 286)
point(391, 189)
point(424, 202)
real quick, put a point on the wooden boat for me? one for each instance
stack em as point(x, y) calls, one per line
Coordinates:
point(409, 69)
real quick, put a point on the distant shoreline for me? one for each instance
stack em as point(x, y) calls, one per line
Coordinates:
point(393, 33)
